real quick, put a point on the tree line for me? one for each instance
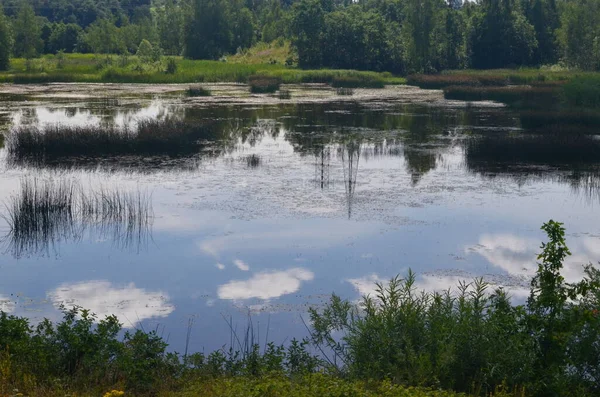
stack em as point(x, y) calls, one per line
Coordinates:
point(401, 36)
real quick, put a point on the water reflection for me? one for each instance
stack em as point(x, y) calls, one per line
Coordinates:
point(266, 285)
point(129, 303)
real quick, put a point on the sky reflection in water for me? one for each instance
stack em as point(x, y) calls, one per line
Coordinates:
point(342, 196)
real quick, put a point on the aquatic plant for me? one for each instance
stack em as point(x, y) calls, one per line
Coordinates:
point(284, 94)
point(198, 91)
point(47, 211)
point(582, 92)
point(344, 91)
point(147, 137)
point(260, 84)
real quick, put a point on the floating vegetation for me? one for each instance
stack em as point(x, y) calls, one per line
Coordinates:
point(344, 91)
point(263, 84)
point(524, 96)
point(285, 94)
point(253, 161)
point(198, 91)
point(147, 137)
point(48, 211)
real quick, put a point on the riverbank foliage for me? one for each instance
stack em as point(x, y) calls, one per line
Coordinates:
point(412, 36)
point(88, 68)
point(397, 342)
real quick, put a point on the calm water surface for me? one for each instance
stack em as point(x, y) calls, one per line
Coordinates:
point(295, 201)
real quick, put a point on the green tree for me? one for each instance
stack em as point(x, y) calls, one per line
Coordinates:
point(169, 21)
point(5, 42)
point(308, 24)
point(207, 33)
point(27, 33)
point(145, 51)
point(242, 27)
point(104, 37)
point(579, 34)
point(500, 36)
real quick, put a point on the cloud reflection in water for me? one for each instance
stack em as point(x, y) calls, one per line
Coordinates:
point(266, 285)
point(129, 303)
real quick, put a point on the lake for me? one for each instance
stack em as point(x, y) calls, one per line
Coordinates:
point(291, 201)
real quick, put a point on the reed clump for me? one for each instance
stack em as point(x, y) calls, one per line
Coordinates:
point(344, 91)
point(260, 84)
point(524, 96)
point(147, 137)
point(47, 211)
point(285, 94)
point(198, 91)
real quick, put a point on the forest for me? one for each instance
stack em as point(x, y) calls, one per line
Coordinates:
point(398, 36)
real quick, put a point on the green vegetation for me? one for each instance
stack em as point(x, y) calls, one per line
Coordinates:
point(194, 91)
point(411, 36)
point(148, 137)
point(398, 342)
point(264, 84)
point(112, 69)
point(583, 92)
point(47, 211)
point(344, 91)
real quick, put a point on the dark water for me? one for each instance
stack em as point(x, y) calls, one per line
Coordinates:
point(295, 201)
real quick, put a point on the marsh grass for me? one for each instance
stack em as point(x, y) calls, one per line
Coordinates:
point(344, 91)
point(576, 121)
point(263, 84)
point(84, 68)
point(284, 94)
point(46, 212)
point(147, 137)
point(583, 92)
point(521, 96)
point(358, 81)
point(198, 91)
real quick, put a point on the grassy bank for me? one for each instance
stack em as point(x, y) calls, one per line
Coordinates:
point(396, 342)
point(88, 68)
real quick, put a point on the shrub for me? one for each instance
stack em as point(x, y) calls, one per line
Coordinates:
point(171, 66)
point(451, 341)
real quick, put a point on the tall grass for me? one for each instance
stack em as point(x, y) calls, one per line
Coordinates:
point(148, 137)
point(45, 212)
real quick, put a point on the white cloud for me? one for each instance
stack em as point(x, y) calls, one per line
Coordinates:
point(240, 264)
point(6, 305)
point(266, 285)
point(518, 255)
point(129, 303)
point(220, 266)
